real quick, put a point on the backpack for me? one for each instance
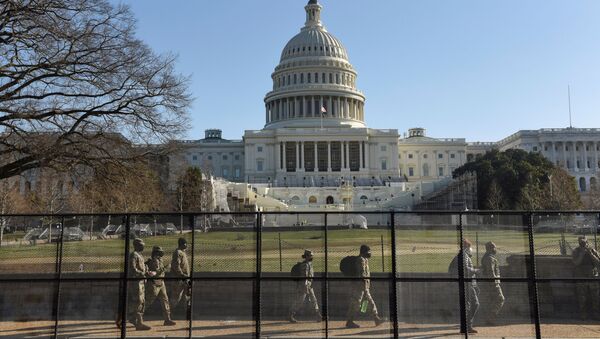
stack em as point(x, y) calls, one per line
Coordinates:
point(297, 270)
point(348, 266)
point(453, 267)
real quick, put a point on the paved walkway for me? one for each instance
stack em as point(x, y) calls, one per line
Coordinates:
point(280, 329)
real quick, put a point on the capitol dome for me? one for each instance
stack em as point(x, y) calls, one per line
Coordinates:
point(313, 42)
point(314, 84)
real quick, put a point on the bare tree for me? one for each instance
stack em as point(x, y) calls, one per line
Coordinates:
point(75, 84)
point(10, 202)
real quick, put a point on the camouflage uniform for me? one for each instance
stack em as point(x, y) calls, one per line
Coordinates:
point(137, 269)
point(156, 287)
point(471, 298)
point(304, 289)
point(586, 291)
point(180, 268)
point(491, 292)
point(360, 291)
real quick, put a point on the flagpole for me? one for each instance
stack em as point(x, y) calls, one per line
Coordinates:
point(321, 120)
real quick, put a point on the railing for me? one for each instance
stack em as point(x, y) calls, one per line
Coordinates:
point(80, 284)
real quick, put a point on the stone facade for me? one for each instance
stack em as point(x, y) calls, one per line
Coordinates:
point(574, 149)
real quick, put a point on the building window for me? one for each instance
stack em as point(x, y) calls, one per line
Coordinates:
point(312, 199)
point(440, 156)
point(259, 165)
point(535, 148)
point(225, 172)
point(441, 171)
point(309, 80)
point(301, 78)
point(237, 157)
point(194, 158)
point(384, 164)
point(210, 157)
point(425, 170)
point(411, 172)
point(295, 78)
point(410, 156)
point(452, 156)
point(225, 157)
point(259, 149)
point(424, 156)
point(545, 148)
point(238, 172)
point(383, 148)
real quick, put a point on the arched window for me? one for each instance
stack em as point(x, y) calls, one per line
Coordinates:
point(582, 184)
point(295, 200)
point(425, 170)
point(329, 200)
point(312, 199)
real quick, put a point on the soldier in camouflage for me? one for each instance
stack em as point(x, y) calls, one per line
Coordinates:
point(137, 270)
point(586, 261)
point(490, 291)
point(304, 288)
point(360, 290)
point(156, 287)
point(180, 268)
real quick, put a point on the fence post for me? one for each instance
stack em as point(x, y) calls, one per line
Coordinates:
point(191, 302)
point(123, 317)
point(394, 278)
point(382, 256)
point(533, 277)
point(461, 280)
point(280, 258)
point(258, 274)
point(59, 252)
point(325, 285)
point(477, 248)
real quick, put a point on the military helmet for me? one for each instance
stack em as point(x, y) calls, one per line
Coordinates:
point(489, 245)
point(158, 250)
point(365, 249)
point(138, 242)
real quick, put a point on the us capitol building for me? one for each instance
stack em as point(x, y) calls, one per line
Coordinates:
point(315, 134)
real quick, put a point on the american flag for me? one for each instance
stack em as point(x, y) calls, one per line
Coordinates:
point(323, 110)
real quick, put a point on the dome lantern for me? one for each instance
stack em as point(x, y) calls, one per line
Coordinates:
point(313, 15)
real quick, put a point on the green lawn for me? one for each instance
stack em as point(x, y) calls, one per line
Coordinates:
point(418, 250)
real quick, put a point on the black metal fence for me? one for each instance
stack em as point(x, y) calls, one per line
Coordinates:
point(67, 276)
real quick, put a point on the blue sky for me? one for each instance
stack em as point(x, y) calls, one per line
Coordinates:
point(470, 68)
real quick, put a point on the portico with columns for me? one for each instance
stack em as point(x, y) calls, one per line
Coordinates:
point(574, 149)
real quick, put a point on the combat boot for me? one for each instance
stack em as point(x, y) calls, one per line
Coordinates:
point(352, 324)
point(169, 321)
point(139, 324)
point(292, 318)
point(378, 321)
point(318, 316)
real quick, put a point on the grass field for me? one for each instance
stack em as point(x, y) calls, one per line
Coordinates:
point(418, 250)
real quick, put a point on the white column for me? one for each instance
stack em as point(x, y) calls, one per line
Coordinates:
point(367, 159)
point(347, 155)
point(284, 158)
point(595, 167)
point(316, 158)
point(340, 111)
point(585, 156)
point(342, 155)
point(329, 156)
point(330, 107)
point(304, 108)
point(360, 153)
point(553, 153)
point(278, 156)
point(297, 156)
point(302, 155)
point(565, 156)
